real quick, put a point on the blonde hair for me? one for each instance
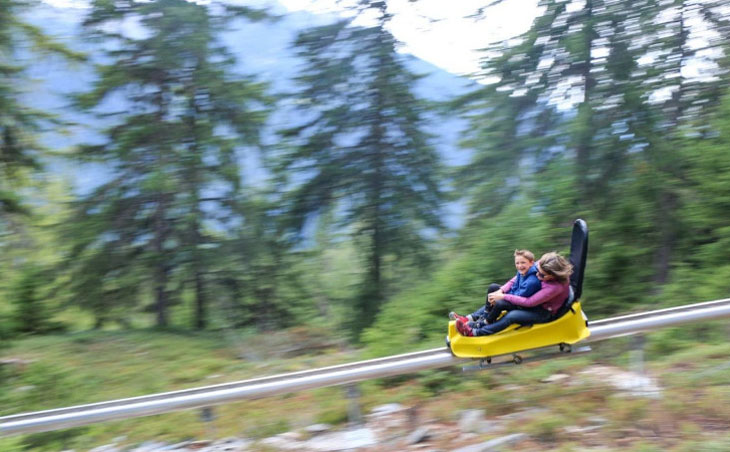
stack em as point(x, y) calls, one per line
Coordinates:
point(527, 254)
point(557, 266)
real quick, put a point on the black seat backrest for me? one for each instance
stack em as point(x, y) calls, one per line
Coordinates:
point(578, 255)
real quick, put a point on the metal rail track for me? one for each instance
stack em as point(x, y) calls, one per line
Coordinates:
point(327, 376)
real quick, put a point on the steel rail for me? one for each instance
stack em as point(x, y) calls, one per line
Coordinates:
point(231, 385)
point(672, 310)
point(328, 376)
point(662, 318)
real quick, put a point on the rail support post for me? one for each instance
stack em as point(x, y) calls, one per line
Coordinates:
point(354, 415)
point(638, 343)
point(208, 417)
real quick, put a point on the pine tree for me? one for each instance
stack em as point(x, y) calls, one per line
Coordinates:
point(25, 190)
point(577, 122)
point(173, 155)
point(20, 150)
point(674, 103)
point(361, 150)
point(706, 201)
point(511, 123)
point(31, 312)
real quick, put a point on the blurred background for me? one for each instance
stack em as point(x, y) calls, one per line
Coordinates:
point(195, 192)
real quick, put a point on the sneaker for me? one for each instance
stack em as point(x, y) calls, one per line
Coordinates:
point(463, 328)
point(455, 316)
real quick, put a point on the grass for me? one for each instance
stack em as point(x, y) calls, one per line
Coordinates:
point(97, 366)
point(55, 371)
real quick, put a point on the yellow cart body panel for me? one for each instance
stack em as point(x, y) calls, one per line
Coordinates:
point(569, 329)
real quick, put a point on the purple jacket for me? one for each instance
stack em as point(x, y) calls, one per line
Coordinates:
point(551, 296)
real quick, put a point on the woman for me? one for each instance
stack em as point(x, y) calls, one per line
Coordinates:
point(553, 271)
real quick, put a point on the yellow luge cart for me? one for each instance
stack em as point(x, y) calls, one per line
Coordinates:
point(570, 325)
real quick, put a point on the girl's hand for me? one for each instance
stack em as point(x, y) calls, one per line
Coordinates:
point(496, 296)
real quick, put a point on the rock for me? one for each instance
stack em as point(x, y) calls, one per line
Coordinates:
point(151, 446)
point(470, 420)
point(473, 421)
point(277, 442)
point(18, 363)
point(181, 445)
point(574, 429)
point(231, 445)
point(346, 440)
point(524, 414)
point(554, 378)
point(419, 435)
point(106, 448)
point(388, 421)
point(291, 436)
point(597, 420)
point(25, 388)
point(493, 444)
point(388, 408)
point(316, 429)
point(631, 383)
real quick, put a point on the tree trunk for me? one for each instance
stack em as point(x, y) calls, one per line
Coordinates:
point(668, 200)
point(583, 146)
point(161, 267)
point(200, 299)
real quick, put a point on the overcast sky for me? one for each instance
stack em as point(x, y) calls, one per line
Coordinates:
point(438, 30)
point(434, 30)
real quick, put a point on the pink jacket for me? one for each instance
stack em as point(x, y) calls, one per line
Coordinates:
point(551, 296)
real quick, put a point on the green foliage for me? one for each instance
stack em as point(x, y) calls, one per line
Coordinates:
point(31, 313)
point(712, 445)
point(627, 411)
point(37, 384)
point(643, 447)
point(438, 381)
point(546, 428)
point(30, 300)
point(707, 193)
point(674, 340)
point(333, 413)
point(24, 190)
point(266, 429)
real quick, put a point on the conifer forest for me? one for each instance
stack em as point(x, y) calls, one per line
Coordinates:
point(155, 175)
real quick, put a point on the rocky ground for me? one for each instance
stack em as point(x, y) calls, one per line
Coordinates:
point(394, 427)
point(388, 427)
